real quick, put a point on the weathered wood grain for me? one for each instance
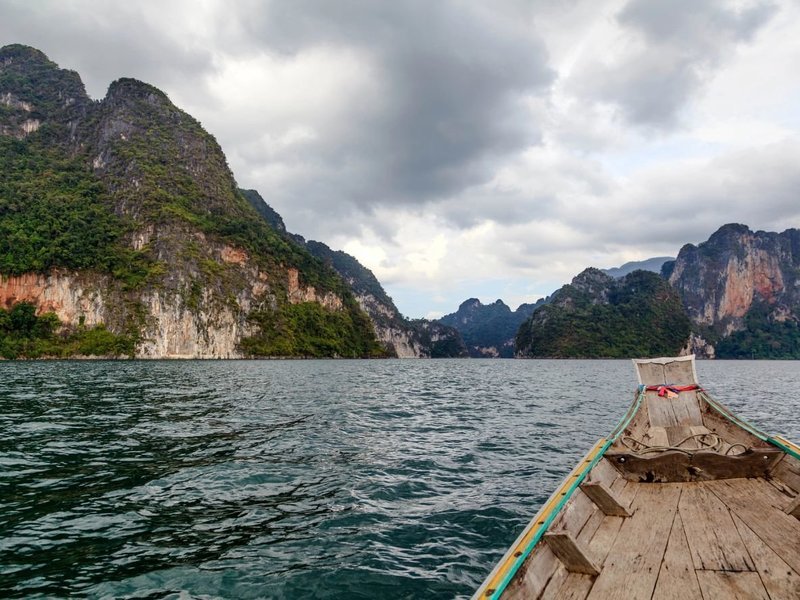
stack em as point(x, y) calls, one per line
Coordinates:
point(604, 538)
point(635, 557)
point(664, 467)
point(686, 409)
point(574, 514)
point(753, 500)
point(605, 499)
point(656, 437)
point(660, 411)
point(573, 556)
point(713, 538)
point(793, 508)
point(681, 436)
point(788, 471)
point(712, 465)
point(554, 585)
point(604, 472)
point(778, 578)
point(535, 574)
point(677, 579)
point(624, 490)
point(574, 587)
point(727, 430)
point(722, 585)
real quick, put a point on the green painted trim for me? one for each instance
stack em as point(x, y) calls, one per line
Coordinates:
point(549, 520)
point(733, 418)
point(788, 449)
point(749, 428)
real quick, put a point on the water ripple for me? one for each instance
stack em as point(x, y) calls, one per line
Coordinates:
point(328, 479)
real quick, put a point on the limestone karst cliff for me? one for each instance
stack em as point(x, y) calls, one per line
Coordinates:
point(399, 336)
point(741, 289)
point(121, 216)
point(736, 295)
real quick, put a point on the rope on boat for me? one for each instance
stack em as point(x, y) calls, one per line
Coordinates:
point(705, 441)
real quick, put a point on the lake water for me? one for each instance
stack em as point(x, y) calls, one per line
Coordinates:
point(294, 479)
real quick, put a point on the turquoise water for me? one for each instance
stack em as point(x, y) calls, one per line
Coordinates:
point(295, 479)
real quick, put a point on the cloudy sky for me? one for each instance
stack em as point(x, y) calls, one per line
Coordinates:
point(471, 148)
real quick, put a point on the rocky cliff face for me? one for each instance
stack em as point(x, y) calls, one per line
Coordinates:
point(399, 336)
point(735, 277)
point(123, 214)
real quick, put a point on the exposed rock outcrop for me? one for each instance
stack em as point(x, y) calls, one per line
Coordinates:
point(734, 274)
point(152, 239)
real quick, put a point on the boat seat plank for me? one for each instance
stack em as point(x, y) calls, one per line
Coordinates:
point(779, 578)
point(573, 556)
point(677, 579)
point(634, 559)
point(713, 465)
point(753, 501)
point(671, 465)
point(702, 465)
point(722, 585)
point(713, 539)
point(605, 499)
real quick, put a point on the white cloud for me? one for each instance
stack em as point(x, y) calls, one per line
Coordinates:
point(466, 149)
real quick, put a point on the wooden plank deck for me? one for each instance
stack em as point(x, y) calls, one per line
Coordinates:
point(691, 541)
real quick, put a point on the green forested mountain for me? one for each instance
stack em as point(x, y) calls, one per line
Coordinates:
point(121, 216)
point(398, 335)
point(488, 329)
point(597, 316)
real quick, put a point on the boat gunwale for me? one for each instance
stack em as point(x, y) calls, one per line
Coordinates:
point(509, 565)
point(505, 570)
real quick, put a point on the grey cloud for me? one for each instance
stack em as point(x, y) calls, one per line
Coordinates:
point(696, 22)
point(104, 44)
point(678, 43)
point(453, 78)
point(757, 187)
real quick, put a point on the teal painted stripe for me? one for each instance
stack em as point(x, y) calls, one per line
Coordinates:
point(788, 449)
point(549, 520)
point(750, 428)
point(734, 419)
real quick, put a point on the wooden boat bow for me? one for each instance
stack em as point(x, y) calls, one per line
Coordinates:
point(683, 500)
